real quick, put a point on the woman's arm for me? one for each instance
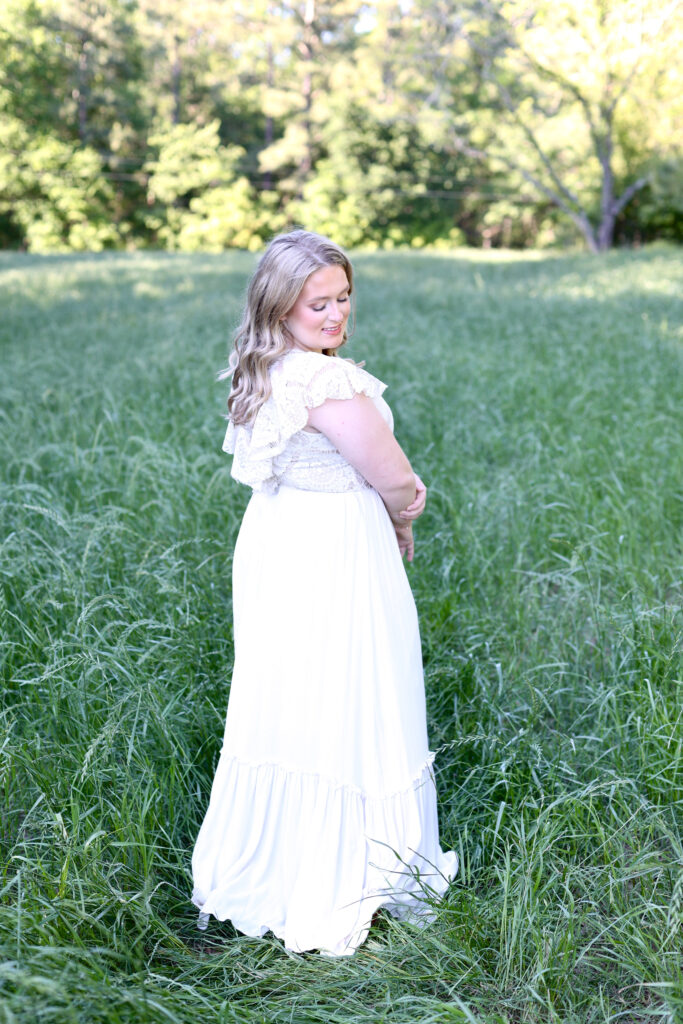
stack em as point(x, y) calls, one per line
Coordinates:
point(415, 510)
point(357, 430)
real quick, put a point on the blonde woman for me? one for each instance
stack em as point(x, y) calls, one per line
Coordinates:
point(323, 806)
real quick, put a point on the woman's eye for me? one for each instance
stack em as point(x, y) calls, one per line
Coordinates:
point(319, 309)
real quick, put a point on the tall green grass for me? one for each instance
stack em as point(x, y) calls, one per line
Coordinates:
point(541, 398)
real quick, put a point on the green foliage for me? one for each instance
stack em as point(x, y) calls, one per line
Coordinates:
point(382, 124)
point(372, 184)
point(187, 159)
point(540, 399)
point(54, 191)
point(660, 211)
point(196, 199)
point(565, 90)
point(33, 68)
point(233, 217)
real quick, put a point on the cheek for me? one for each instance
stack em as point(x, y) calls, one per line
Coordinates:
point(297, 321)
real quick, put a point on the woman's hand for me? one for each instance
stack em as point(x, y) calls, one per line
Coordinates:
point(404, 536)
point(417, 506)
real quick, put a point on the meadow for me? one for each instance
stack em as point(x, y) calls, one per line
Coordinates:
point(541, 399)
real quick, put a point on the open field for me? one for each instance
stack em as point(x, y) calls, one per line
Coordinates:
point(541, 398)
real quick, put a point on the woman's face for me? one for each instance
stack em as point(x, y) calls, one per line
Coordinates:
point(317, 319)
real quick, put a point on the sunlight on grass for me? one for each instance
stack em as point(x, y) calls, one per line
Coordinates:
point(540, 398)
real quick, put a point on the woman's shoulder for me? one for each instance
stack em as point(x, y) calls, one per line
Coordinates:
point(307, 379)
point(300, 363)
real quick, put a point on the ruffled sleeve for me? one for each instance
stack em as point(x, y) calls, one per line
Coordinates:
point(300, 381)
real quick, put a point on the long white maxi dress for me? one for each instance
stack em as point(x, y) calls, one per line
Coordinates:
point(323, 806)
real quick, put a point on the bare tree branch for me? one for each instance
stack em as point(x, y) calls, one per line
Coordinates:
point(579, 217)
point(629, 193)
point(536, 146)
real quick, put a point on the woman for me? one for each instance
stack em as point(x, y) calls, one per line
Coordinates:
point(323, 807)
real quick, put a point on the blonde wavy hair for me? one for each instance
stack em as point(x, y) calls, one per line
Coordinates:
point(262, 337)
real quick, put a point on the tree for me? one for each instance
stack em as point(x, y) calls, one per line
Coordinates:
point(196, 197)
point(301, 44)
point(560, 87)
point(100, 58)
point(70, 119)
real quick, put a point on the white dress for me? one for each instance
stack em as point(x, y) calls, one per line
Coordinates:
point(323, 806)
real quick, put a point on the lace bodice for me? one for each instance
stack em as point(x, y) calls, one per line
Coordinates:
point(275, 448)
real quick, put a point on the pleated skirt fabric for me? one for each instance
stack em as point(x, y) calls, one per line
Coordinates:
point(323, 805)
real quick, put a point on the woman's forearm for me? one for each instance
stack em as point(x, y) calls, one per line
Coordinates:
point(398, 495)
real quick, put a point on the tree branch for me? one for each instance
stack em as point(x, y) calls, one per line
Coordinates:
point(629, 193)
point(508, 102)
point(571, 87)
point(536, 146)
point(579, 217)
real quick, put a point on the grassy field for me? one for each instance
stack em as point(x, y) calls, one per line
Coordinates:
point(541, 398)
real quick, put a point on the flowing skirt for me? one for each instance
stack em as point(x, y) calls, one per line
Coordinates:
point(323, 806)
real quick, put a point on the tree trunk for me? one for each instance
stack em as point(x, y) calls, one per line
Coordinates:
point(586, 229)
point(605, 148)
point(268, 131)
point(606, 233)
point(82, 93)
point(306, 51)
point(176, 74)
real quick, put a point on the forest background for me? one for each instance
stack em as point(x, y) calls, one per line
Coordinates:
point(215, 124)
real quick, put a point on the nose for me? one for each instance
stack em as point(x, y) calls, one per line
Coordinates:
point(337, 313)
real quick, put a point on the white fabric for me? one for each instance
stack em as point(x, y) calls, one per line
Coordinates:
point(323, 806)
point(276, 449)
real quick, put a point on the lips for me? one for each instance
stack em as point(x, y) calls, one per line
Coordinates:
point(332, 330)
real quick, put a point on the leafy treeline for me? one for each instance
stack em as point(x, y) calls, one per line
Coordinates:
point(214, 124)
